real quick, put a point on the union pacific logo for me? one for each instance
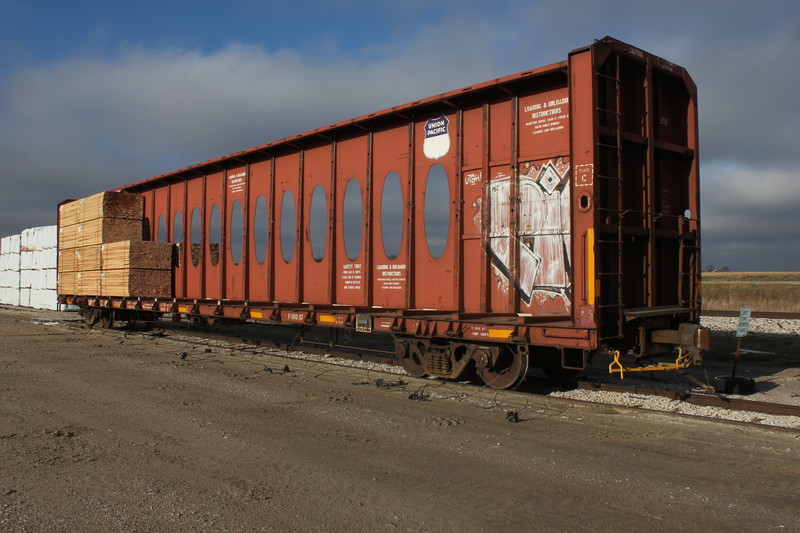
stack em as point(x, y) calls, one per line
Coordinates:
point(437, 138)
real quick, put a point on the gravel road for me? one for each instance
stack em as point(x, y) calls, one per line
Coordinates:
point(115, 432)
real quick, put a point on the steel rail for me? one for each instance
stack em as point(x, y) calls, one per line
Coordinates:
point(703, 400)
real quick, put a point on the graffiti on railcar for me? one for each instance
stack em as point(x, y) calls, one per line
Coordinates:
point(543, 232)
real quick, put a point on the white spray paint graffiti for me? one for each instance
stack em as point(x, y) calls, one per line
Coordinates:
point(544, 231)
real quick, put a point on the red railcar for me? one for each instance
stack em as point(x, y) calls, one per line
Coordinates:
point(537, 218)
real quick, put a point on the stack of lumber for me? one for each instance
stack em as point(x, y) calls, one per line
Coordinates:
point(101, 251)
point(103, 217)
point(136, 268)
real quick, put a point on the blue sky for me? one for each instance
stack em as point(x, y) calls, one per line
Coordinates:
point(94, 95)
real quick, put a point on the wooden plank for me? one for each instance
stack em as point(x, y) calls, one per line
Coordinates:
point(99, 231)
point(137, 254)
point(67, 283)
point(111, 204)
point(68, 213)
point(88, 257)
point(79, 259)
point(127, 282)
point(88, 283)
point(67, 261)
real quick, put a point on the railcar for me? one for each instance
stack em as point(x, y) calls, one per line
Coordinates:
point(536, 219)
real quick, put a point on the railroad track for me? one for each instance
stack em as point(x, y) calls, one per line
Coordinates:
point(754, 314)
point(253, 344)
point(704, 400)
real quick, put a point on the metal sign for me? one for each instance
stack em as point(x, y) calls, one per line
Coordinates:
point(744, 321)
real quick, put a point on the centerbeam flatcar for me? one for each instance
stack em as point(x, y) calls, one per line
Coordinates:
point(535, 219)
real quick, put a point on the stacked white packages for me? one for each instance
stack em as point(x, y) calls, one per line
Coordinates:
point(10, 270)
point(37, 271)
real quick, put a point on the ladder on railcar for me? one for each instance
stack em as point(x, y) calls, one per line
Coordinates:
point(610, 240)
point(688, 254)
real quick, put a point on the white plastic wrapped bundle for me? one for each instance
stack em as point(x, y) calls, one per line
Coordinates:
point(41, 238)
point(44, 299)
point(26, 260)
point(9, 262)
point(44, 279)
point(49, 236)
point(10, 279)
point(38, 259)
point(9, 295)
point(45, 258)
point(10, 244)
point(25, 297)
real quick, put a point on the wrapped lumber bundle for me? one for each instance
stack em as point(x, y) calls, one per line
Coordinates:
point(88, 283)
point(99, 231)
point(38, 257)
point(105, 205)
point(68, 282)
point(136, 268)
point(101, 251)
point(10, 270)
point(127, 282)
point(145, 255)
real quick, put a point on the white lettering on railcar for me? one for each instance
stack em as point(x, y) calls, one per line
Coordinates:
point(236, 182)
point(547, 116)
point(391, 277)
point(352, 276)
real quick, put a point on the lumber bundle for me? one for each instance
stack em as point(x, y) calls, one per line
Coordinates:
point(136, 282)
point(102, 205)
point(146, 255)
point(98, 231)
point(101, 251)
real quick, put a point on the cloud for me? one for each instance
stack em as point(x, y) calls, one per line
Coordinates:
point(750, 217)
point(90, 121)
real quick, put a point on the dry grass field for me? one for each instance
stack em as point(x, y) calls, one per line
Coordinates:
point(763, 291)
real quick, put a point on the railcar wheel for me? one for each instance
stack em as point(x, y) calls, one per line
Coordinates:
point(107, 319)
point(90, 316)
point(508, 370)
point(411, 358)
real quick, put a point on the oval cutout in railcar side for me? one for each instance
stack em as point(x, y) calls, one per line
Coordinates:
point(195, 236)
point(260, 229)
point(215, 235)
point(392, 215)
point(236, 232)
point(353, 219)
point(437, 210)
point(177, 238)
point(318, 225)
point(162, 229)
point(288, 226)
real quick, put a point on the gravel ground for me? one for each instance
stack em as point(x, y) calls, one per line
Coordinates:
point(786, 380)
point(788, 392)
point(121, 431)
point(757, 325)
point(777, 382)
